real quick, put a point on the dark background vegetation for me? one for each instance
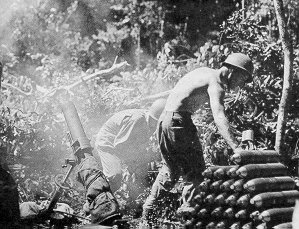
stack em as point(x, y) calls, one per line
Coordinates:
point(47, 44)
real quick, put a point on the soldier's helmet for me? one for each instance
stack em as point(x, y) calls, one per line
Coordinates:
point(241, 61)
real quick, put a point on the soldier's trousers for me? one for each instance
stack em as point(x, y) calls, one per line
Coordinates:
point(181, 154)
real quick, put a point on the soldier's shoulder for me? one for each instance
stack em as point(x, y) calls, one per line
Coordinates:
point(136, 113)
point(203, 72)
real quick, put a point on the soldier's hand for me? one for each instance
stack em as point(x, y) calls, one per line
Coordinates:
point(238, 150)
point(86, 208)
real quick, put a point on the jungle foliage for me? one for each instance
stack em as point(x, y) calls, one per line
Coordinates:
point(49, 45)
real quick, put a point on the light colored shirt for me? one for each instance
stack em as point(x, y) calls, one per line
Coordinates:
point(124, 138)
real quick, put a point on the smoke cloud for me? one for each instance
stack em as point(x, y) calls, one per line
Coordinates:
point(9, 10)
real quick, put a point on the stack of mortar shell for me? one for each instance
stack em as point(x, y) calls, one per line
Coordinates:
point(254, 192)
point(269, 194)
point(211, 209)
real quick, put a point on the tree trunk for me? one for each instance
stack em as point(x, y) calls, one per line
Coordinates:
point(287, 77)
point(1, 73)
point(138, 49)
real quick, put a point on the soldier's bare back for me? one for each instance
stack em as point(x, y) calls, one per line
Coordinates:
point(191, 92)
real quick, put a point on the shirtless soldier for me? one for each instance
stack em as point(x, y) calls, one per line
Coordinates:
point(177, 135)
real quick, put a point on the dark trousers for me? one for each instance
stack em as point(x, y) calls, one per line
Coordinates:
point(181, 153)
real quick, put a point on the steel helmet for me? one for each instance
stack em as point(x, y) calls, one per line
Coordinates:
point(242, 61)
point(156, 108)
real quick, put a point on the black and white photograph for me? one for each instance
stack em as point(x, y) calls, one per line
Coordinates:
point(153, 114)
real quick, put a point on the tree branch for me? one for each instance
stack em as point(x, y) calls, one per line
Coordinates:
point(102, 73)
point(20, 91)
point(115, 68)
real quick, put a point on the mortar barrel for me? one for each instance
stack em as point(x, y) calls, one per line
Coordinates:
point(74, 125)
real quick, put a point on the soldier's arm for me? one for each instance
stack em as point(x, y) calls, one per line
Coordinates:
point(216, 94)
